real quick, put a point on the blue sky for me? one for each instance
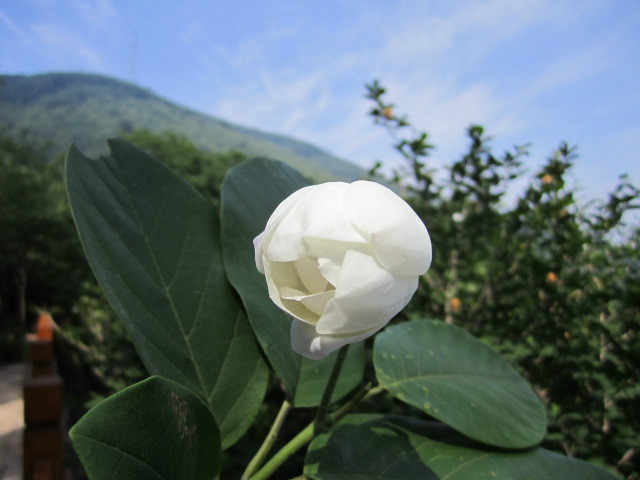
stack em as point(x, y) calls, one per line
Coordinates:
point(529, 71)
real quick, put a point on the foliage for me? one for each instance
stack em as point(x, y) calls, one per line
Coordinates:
point(552, 285)
point(87, 109)
point(203, 170)
point(155, 247)
point(158, 411)
point(94, 352)
point(42, 266)
point(409, 449)
point(37, 239)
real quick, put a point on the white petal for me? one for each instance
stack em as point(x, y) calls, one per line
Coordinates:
point(288, 300)
point(285, 274)
point(319, 214)
point(274, 294)
point(310, 275)
point(315, 302)
point(297, 310)
point(367, 296)
point(289, 285)
point(330, 255)
point(257, 246)
point(308, 343)
point(287, 204)
point(261, 242)
point(318, 302)
point(287, 244)
point(398, 236)
point(288, 293)
point(330, 268)
point(325, 216)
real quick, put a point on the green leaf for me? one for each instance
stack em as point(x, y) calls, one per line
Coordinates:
point(251, 192)
point(315, 373)
point(459, 380)
point(155, 429)
point(397, 448)
point(153, 243)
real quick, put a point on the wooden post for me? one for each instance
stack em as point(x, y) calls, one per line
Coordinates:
point(43, 453)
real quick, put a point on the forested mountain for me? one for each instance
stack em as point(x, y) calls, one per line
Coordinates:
point(87, 109)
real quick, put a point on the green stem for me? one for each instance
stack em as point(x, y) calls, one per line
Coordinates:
point(268, 442)
point(375, 391)
point(336, 416)
point(306, 435)
point(321, 416)
point(296, 443)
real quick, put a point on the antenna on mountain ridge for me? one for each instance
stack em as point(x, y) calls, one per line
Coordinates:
point(133, 60)
point(133, 49)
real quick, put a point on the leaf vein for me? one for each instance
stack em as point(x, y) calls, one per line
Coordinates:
point(122, 453)
point(166, 291)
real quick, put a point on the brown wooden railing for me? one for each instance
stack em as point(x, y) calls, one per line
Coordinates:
point(43, 452)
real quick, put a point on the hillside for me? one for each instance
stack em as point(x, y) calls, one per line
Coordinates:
point(87, 109)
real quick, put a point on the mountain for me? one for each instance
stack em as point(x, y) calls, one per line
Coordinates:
point(87, 109)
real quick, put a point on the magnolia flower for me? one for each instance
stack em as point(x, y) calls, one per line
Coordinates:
point(342, 259)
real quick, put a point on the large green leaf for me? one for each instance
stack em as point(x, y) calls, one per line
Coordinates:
point(251, 192)
point(315, 373)
point(459, 380)
point(396, 448)
point(156, 429)
point(153, 243)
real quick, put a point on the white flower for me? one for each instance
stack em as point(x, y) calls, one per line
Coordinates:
point(342, 259)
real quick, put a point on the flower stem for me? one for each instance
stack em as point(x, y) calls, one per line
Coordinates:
point(268, 442)
point(306, 435)
point(296, 443)
point(321, 417)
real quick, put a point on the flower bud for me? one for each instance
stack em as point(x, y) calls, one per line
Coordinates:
point(342, 259)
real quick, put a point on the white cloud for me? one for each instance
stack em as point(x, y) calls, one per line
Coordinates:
point(97, 13)
point(430, 67)
point(469, 30)
point(275, 101)
point(412, 55)
point(11, 26)
point(58, 43)
point(571, 69)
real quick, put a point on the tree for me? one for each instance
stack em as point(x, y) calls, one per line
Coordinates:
point(551, 284)
point(32, 220)
point(204, 170)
